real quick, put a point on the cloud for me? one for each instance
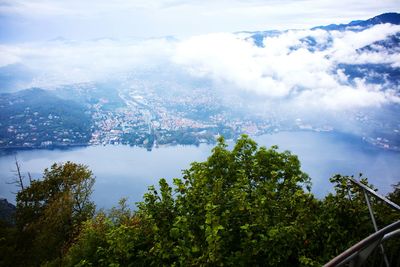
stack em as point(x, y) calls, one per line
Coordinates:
point(289, 68)
point(224, 57)
point(62, 61)
point(9, 55)
point(302, 68)
point(345, 45)
point(342, 98)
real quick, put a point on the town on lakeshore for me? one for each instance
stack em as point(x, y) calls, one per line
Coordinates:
point(143, 113)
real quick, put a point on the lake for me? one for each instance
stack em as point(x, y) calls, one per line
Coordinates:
point(123, 171)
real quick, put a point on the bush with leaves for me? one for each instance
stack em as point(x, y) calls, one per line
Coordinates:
point(118, 238)
point(50, 212)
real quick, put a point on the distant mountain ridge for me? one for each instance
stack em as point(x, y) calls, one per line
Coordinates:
point(392, 18)
point(356, 25)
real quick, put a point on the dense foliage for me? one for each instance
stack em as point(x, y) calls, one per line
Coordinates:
point(250, 206)
point(49, 214)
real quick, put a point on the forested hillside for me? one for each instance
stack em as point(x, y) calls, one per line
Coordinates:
point(37, 118)
point(249, 206)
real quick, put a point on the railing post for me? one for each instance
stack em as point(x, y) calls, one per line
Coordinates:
point(371, 213)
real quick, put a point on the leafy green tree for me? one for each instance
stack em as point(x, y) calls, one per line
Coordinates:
point(342, 220)
point(249, 206)
point(119, 238)
point(245, 206)
point(51, 210)
point(7, 244)
point(384, 214)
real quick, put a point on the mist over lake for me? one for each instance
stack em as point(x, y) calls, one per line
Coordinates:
point(124, 171)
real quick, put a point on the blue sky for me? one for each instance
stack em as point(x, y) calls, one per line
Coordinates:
point(38, 20)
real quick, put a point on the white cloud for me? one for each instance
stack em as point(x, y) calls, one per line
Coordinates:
point(286, 69)
point(9, 55)
point(62, 62)
point(342, 98)
point(229, 59)
point(346, 43)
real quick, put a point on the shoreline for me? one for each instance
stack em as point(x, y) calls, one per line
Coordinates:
point(13, 149)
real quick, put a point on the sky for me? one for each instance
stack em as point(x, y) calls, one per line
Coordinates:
point(39, 20)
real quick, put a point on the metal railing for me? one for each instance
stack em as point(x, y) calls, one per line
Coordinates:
point(368, 190)
point(359, 253)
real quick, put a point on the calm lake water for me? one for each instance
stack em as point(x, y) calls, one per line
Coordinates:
point(123, 171)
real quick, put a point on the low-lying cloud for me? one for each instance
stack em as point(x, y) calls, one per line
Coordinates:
point(300, 67)
point(61, 61)
point(289, 67)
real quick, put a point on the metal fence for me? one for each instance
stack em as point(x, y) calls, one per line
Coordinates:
point(371, 250)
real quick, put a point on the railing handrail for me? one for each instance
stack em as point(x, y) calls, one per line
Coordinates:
point(369, 190)
point(348, 254)
point(360, 251)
